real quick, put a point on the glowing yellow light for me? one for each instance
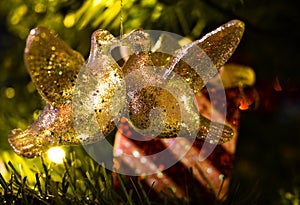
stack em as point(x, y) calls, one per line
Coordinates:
point(56, 155)
point(2, 167)
point(18, 14)
point(10, 93)
point(70, 20)
point(30, 87)
point(36, 114)
point(158, 9)
point(96, 2)
point(160, 174)
point(39, 8)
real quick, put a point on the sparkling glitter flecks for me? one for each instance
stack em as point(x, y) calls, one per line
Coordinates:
point(221, 42)
point(53, 65)
point(216, 48)
point(97, 84)
point(53, 68)
point(45, 132)
point(177, 109)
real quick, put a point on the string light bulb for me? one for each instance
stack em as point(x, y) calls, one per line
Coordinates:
point(56, 155)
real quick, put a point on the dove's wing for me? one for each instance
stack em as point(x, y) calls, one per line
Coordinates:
point(53, 65)
point(220, 44)
point(201, 60)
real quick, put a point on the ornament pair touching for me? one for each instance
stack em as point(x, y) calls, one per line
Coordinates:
point(139, 90)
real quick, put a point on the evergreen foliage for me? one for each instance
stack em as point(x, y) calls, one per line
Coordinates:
point(267, 164)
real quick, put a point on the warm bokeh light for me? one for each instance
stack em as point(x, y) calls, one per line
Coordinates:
point(10, 93)
point(56, 155)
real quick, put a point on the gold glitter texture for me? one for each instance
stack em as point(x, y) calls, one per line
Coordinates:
point(54, 67)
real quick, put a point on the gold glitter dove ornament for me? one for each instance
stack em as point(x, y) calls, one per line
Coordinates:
point(141, 90)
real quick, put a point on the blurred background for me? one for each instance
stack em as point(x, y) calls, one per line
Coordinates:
point(267, 165)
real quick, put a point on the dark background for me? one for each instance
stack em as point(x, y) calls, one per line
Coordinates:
point(266, 169)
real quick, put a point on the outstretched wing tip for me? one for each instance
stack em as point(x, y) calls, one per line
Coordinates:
point(237, 24)
point(22, 145)
point(36, 32)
